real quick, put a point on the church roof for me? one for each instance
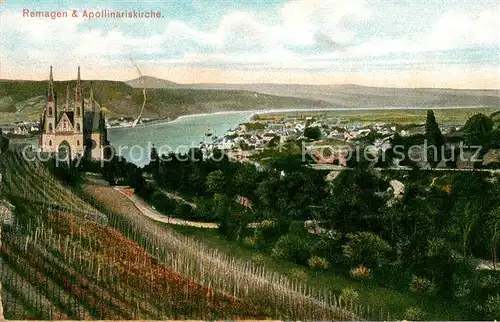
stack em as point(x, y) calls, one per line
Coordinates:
point(69, 114)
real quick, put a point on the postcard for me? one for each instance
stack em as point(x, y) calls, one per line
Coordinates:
point(249, 160)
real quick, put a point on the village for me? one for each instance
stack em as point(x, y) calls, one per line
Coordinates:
point(319, 133)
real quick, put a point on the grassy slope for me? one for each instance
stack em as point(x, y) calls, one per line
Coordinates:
point(78, 268)
point(375, 296)
point(119, 99)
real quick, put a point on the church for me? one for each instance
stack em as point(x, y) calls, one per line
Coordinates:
point(72, 127)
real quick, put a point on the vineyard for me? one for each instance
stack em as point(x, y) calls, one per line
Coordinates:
point(64, 259)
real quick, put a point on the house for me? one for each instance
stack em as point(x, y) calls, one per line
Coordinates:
point(6, 213)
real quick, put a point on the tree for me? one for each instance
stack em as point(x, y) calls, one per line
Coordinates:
point(495, 139)
point(478, 130)
point(216, 182)
point(154, 161)
point(366, 248)
point(4, 142)
point(435, 139)
point(313, 133)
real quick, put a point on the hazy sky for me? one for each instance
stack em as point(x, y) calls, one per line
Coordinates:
point(415, 43)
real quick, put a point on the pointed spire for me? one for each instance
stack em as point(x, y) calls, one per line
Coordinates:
point(91, 102)
point(78, 86)
point(50, 93)
point(67, 98)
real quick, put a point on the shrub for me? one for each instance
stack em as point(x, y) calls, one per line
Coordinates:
point(250, 241)
point(492, 307)
point(318, 262)
point(414, 313)
point(292, 247)
point(349, 294)
point(267, 231)
point(361, 272)
point(258, 259)
point(422, 285)
point(366, 248)
point(298, 274)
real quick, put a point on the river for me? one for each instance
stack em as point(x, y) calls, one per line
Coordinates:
point(177, 135)
point(135, 143)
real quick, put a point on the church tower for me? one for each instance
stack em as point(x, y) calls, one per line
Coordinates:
point(51, 109)
point(78, 116)
point(66, 107)
point(91, 106)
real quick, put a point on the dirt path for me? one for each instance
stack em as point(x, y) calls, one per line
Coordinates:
point(144, 208)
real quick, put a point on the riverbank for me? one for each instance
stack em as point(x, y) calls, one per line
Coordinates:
point(252, 113)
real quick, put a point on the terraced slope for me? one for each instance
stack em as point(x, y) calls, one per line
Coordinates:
point(62, 260)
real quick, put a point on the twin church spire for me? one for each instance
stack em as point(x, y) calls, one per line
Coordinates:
point(78, 99)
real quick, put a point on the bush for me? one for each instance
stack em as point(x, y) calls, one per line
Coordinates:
point(258, 259)
point(366, 248)
point(421, 285)
point(298, 274)
point(185, 211)
point(361, 272)
point(317, 262)
point(313, 133)
point(349, 294)
point(250, 241)
point(293, 248)
point(414, 313)
point(266, 232)
point(492, 307)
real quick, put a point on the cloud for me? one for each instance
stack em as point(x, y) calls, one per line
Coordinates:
point(452, 30)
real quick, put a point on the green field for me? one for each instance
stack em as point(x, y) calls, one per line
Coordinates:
point(451, 116)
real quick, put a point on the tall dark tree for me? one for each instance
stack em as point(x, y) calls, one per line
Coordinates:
point(435, 139)
point(4, 142)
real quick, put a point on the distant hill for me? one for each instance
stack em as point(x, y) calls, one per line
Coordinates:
point(350, 95)
point(24, 99)
point(364, 96)
point(21, 100)
point(151, 82)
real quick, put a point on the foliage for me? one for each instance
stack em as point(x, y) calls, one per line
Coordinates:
point(414, 313)
point(361, 272)
point(292, 247)
point(366, 248)
point(298, 274)
point(434, 138)
point(422, 285)
point(312, 132)
point(478, 130)
point(492, 307)
point(317, 262)
point(349, 294)
point(4, 142)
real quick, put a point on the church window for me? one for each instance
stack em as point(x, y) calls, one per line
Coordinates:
point(78, 142)
point(65, 124)
point(50, 142)
point(78, 127)
point(50, 127)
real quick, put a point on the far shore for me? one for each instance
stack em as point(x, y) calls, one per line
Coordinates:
point(252, 113)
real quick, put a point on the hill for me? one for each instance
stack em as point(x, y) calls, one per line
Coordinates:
point(21, 100)
point(151, 82)
point(62, 259)
point(364, 96)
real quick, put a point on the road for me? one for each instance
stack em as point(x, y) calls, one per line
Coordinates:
point(146, 209)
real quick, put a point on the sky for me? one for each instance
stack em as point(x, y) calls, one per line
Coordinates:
point(391, 43)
